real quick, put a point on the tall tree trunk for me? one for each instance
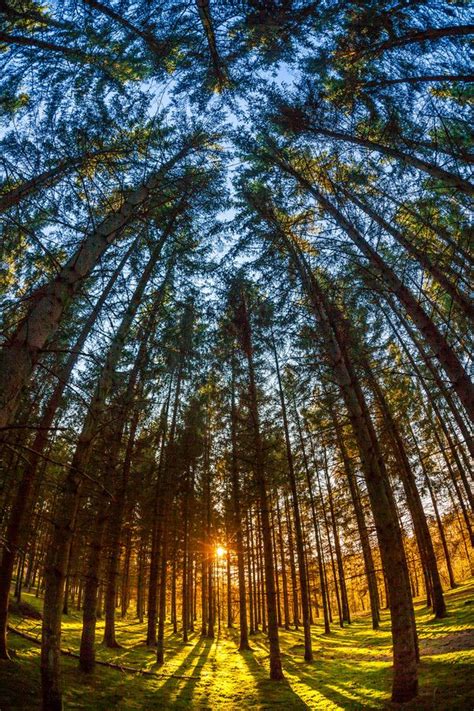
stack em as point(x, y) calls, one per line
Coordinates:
point(48, 178)
point(415, 36)
point(185, 590)
point(337, 345)
point(291, 551)
point(346, 617)
point(91, 586)
point(434, 373)
point(250, 576)
point(157, 49)
point(331, 555)
point(276, 671)
point(168, 489)
point(244, 641)
point(286, 605)
point(408, 241)
point(156, 528)
point(65, 516)
point(275, 563)
point(421, 79)
point(317, 533)
point(415, 504)
point(361, 524)
point(439, 523)
point(305, 603)
point(438, 414)
point(451, 179)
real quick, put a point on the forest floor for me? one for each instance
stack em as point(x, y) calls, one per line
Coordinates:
point(352, 668)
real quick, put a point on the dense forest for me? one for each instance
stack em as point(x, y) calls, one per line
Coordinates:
point(236, 402)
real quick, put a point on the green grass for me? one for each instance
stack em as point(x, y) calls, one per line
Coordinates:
point(352, 668)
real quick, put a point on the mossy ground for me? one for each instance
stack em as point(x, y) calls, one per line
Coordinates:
point(352, 668)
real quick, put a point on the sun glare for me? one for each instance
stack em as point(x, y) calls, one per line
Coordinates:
point(220, 551)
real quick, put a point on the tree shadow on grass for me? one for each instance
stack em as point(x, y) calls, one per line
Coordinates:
point(181, 689)
point(187, 689)
point(330, 678)
point(272, 693)
point(335, 681)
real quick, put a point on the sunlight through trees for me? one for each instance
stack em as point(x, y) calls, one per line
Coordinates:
point(236, 396)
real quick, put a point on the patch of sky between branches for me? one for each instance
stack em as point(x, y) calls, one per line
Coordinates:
point(237, 108)
point(283, 77)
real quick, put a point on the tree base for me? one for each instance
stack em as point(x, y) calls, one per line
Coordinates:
point(406, 693)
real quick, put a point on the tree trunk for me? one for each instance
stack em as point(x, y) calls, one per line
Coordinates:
point(91, 586)
point(346, 617)
point(305, 603)
point(250, 577)
point(68, 505)
point(167, 496)
point(451, 179)
point(291, 552)
point(244, 641)
point(361, 525)
point(317, 534)
point(156, 531)
point(26, 344)
point(408, 241)
point(331, 555)
point(46, 179)
point(286, 605)
point(428, 34)
point(276, 672)
point(415, 504)
point(422, 79)
point(448, 359)
point(405, 647)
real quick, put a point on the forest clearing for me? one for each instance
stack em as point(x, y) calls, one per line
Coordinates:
point(236, 354)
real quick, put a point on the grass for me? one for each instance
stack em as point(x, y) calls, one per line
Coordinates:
point(352, 668)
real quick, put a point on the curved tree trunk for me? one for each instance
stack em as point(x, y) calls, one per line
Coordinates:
point(408, 241)
point(25, 345)
point(447, 357)
point(451, 179)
